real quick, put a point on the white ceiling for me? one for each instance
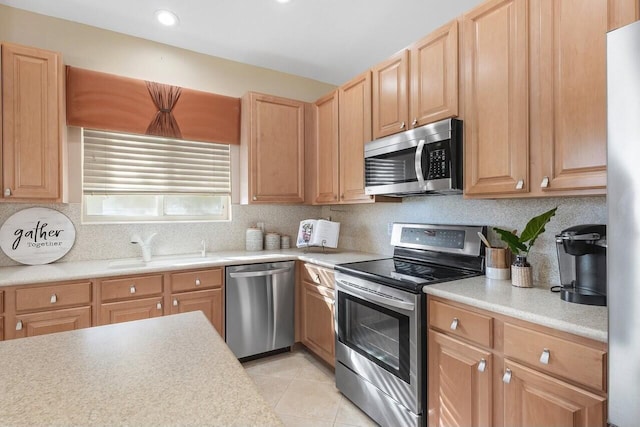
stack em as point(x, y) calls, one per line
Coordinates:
point(326, 40)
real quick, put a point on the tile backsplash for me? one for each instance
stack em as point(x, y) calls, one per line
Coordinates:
point(364, 227)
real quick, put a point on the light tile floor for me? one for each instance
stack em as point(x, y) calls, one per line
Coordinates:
point(301, 390)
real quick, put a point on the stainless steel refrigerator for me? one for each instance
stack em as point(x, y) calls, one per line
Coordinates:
point(623, 227)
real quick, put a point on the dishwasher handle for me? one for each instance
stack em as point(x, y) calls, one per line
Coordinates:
point(260, 273)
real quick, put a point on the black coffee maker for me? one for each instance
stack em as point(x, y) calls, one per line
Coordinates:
point(582, 258)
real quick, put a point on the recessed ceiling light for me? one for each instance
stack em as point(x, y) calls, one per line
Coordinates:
point(283, 1)
point(167, 18)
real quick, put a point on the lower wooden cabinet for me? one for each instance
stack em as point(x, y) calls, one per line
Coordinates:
point(460, 375)
point(317, 324)
point(48, 322)
point(125, 311)
point(532, 398)
point(1, 328)
point(209, 302)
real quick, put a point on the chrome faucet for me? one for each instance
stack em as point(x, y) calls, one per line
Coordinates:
point(203, 251)
point(145, 245)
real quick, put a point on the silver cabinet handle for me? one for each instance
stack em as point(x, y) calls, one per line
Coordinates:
point(255, 198)
point(7, 192)
point(197, 282)
point(544, 357)
point(545, 182)
point(506, 378)
point(402, 125)
point(454, 324)
point(482, 366)
point(19, 325)
point(159, 306)
point(54, 299)
point(175, 302)
point(520, 184)
point(132, 289)
point(317, 278)
point(414, 122)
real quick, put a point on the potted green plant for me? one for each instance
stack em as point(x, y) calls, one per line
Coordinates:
point(521, 274)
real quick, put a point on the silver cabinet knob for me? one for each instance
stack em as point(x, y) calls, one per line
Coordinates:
point(454, 324)
point(402, 125)
point(197, 282)
point(545, 182)
point(317, 278)
point(132, 289)
point(7, 192)
point(482, 366)
point(520, 184)
point(255, 198)
point(506, 378)
point(414, 122)
point(159, 306)
point(175, 302)
point(54, 299)
point(544, 357)
point(19, 325)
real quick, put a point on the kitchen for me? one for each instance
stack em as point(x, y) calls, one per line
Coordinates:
point(363, 226)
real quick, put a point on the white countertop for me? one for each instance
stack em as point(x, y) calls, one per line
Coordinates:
point(141, 373)
point(60, 271)
point(538, 305)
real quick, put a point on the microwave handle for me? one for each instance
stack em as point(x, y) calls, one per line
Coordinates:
point(419, 172)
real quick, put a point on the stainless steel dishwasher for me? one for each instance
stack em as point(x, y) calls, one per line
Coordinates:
point(259, 304)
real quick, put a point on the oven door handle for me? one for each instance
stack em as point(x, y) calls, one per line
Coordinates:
point(370, 296)
point(418, 164)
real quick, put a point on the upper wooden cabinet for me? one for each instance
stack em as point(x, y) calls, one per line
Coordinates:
point(32, 123)
point(272, 149)
point(342, 126)
point(535, 96)
point(496, 128)
point(418, 85)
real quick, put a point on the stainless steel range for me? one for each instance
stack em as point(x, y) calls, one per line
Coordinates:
point(381, 318)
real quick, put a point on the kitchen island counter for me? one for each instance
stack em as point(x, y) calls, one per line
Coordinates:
point(172, 370)
point(537, 305)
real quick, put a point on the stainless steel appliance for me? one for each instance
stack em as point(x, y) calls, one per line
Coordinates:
point(259, 304)
point(623, 204)
point(424, 160)
point(582, 261)
point(381, 317)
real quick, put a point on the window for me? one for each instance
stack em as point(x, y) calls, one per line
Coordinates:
point(135, 178)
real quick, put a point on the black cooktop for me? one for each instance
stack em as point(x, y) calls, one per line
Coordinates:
point(404, 274)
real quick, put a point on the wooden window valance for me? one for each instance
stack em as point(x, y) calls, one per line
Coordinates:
point(108, 102)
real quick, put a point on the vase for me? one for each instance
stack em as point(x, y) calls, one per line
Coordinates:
point(521, 273)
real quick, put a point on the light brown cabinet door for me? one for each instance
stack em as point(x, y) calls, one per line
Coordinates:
point(209, 302)
point(1, 328)
point(126, 311)
point(496, 98)
point(434, 76)
point(31, 122)
point(326, 151)
point(49, 322)
point(317, 321)
point(391, 95)
point(276, 149)
point(534, 399)
point(568, 78)
point(459, 387)
point(355, 131)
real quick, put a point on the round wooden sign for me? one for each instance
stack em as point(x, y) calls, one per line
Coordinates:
point(37, 236)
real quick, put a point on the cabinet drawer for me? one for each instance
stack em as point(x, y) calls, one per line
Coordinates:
point(49, 322)
point(194, 280)
point(577, 362)
point(462, 323)
point(321, 290)
point(53, 297)
point(318, 275)
point(125, 311)
point(131, 287)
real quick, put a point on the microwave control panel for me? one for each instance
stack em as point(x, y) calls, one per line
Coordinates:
point(439, 161)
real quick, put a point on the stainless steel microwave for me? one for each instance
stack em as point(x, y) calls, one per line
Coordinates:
point(425, 160)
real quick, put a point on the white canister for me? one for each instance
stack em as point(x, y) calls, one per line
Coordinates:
point(285, 242)
point(272, 241)
point(254, 239)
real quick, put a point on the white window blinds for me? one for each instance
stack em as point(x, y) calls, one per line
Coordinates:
point(117, 163)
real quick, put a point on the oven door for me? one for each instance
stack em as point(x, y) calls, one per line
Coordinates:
point(378, 337)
